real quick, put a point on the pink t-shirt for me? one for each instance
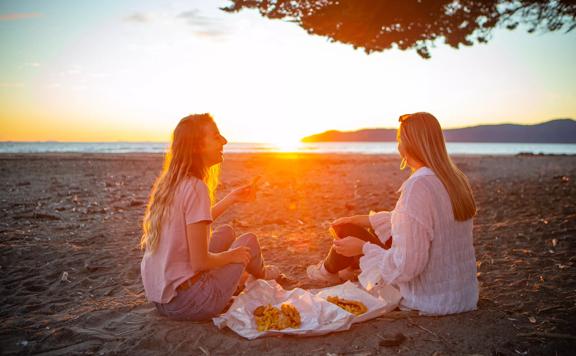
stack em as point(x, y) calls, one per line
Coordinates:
point(169, 265)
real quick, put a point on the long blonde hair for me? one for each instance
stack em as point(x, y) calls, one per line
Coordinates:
point(183, 160)
point(422, 137)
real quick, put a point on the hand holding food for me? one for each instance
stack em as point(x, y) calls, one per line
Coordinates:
point(246, 193)
point(349, 246)
point(343, 220)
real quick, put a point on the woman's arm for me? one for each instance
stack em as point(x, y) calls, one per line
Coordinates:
point(223, 205)
point(360, 220)
point(244, 193)
point(408, 256)
point(380, 223)
point(376, 221)
point(201, 259)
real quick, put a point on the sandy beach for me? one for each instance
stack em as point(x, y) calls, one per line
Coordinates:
point(70, 260)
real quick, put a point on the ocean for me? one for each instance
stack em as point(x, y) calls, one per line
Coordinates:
point(370, 148)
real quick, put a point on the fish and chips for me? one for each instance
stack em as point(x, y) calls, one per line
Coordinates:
point(351, 306)
point(268, 317)
point(271, 318)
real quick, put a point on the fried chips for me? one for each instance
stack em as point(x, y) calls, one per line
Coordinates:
point(351, 306)
point(271, 318)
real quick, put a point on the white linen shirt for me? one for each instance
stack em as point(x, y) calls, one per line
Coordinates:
point(432, 259)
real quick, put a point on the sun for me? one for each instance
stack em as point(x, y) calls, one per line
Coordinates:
point(288, 145)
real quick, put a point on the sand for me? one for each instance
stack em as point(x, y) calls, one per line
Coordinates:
point(69, 257)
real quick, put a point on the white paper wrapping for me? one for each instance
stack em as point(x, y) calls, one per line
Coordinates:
point(318, 316)
point(383, 300)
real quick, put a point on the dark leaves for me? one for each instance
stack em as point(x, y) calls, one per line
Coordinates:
point(377, 25)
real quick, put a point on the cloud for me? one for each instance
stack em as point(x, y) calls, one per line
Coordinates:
point(194, 18)
point(19, 16)
point(138, 18)
point(203, 26)
point(211, 34)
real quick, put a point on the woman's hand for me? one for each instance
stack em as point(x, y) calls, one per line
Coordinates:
point(349, 246)
point(240, 254)
point(246, 193)
point(360, 220)
point(344, 220)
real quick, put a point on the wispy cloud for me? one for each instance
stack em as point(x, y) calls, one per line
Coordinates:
point(194, 18)
point(211, 34)
point(19, 16)
point(204, 26)
point(138, 17)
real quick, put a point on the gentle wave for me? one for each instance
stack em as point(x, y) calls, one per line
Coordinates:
point(320, 147)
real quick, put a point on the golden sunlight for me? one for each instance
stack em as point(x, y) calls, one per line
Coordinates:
point(293, 145)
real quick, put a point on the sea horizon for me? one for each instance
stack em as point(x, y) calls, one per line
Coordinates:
point(368, 148)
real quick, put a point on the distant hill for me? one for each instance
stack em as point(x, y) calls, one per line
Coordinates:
point(554, 131)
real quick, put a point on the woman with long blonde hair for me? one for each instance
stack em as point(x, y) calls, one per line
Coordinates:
point(424, 246)
point(188, 271)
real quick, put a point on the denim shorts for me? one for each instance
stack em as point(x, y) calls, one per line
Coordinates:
point(212, 292)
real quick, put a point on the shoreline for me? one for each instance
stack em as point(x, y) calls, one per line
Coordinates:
point(146, 155)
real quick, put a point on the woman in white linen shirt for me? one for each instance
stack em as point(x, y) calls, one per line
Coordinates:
point(431, 259)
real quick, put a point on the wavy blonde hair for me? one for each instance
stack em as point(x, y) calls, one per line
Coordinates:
point(422, 137)
point(182, 161)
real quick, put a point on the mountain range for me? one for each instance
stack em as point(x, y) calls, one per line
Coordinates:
point(554, 131)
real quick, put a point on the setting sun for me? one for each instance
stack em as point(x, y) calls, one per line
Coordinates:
point(287, 145)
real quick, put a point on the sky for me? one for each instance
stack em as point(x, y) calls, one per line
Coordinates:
point(109, 70)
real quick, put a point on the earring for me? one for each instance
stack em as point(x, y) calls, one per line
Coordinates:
point(403, 163)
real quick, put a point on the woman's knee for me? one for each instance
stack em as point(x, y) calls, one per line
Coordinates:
point(225, 233)
point(225, 230)
point(248, 239)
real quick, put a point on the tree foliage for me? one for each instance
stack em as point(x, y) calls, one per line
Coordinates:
point(377, 25)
